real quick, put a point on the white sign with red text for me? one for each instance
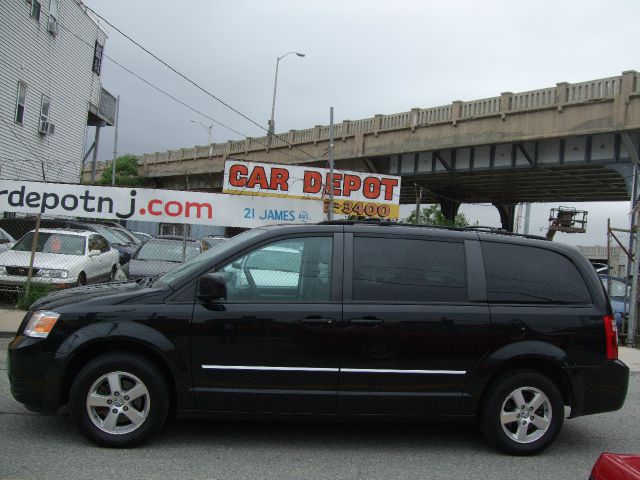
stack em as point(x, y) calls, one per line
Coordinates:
point(167, 206)
point(355, 193)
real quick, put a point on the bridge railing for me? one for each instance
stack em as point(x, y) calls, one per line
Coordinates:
point(479, 108)
point(544, 97)
point(434, 115)
point(594, 89)
point(563, 93)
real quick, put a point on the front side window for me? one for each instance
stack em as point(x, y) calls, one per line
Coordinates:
point(519, 274)
point(293, 270)
point(20, 102)
point(97, 58)
point(53, 10)
point(412, 271)
point(98, 242)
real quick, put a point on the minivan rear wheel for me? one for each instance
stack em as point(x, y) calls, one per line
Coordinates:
point(522, 412)
point(119, 400)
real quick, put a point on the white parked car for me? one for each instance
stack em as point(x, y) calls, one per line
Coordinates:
point(63, 258)
point(6, 240)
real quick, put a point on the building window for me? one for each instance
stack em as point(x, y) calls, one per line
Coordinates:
point(44, 114)
point(97, 58)
point(53, 10)
point(35, 10)
point(20, 102)
point(52, 25)
point(173, 229)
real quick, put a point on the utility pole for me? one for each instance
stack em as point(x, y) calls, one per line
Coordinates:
point(527, 216)
point(330, 213)
point(633, 307)
point(418, 200)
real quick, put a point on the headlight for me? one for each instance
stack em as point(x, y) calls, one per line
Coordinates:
point(52, 273)
point(41, 323)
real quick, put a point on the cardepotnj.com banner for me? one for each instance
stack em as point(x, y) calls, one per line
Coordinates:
point(166, 206)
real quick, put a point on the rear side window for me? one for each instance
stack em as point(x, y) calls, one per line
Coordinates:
point(519, 274)
point(416, 271)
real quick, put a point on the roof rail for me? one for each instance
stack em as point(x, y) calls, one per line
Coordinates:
point(472, 228)
point(501, 231)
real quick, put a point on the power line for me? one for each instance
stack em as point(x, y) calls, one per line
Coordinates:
point(192, 82)
point(172, 97)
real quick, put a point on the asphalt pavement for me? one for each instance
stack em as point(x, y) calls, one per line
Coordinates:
point(49, 447)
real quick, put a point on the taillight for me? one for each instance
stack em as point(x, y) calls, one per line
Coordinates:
point(611, 336)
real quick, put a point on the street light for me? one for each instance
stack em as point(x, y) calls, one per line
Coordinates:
point(208, 129)
point(271, 128)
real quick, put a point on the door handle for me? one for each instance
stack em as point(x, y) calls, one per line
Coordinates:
point(366, 321)
point(317, 321)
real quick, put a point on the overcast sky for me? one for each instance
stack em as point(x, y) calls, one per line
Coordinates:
point(363, 57)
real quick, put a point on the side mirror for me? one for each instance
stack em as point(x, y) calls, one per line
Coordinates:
point(212, 286)
point(94, 253)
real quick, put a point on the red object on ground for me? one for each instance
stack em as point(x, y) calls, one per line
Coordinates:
point(615, 466)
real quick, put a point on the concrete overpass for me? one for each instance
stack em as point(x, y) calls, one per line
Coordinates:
point(568, 142)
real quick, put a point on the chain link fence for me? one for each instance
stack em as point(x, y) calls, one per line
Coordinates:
point(41, 254)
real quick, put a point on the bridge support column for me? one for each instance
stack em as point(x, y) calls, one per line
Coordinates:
point(507, 216)
point(448, 205)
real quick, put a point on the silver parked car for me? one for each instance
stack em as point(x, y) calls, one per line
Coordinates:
point(63, 258)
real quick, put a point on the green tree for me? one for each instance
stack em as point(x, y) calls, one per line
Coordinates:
point(432, 215)
point(126, 173)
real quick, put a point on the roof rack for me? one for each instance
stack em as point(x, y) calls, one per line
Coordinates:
point(502, 231)
point(472, 228)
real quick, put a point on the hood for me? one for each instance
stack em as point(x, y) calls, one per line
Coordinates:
point(41, 260)
point(150, 268)
point(105, 293)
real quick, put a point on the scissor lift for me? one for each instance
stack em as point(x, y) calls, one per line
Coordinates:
point(568, 220)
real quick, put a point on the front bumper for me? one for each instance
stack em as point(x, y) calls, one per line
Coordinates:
point(598, 389)
point(15, 284)
point(36, 376)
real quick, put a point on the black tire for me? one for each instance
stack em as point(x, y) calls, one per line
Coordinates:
point(534, 427)
point(82, 279)
point(149, 409)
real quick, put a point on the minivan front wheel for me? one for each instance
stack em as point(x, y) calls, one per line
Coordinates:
point(522, 412)
point(119, 400)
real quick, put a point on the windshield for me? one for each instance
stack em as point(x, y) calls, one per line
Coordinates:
point(195, 263)
point(121, 235)
point(143, 237)
point(109, 235)
point(59, 243)
point(166, 251)
point(132, 239)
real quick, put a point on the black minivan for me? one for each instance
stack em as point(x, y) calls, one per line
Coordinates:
point(340, 319)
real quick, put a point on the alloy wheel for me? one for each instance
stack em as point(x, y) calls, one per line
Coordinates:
point(118, 403)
